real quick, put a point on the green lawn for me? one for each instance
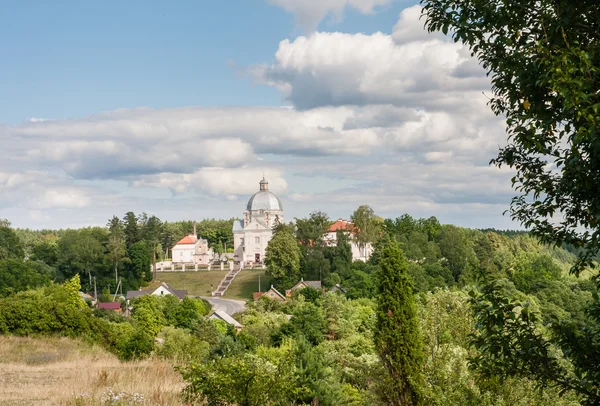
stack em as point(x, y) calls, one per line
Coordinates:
point(246, 282)
point(196, 283)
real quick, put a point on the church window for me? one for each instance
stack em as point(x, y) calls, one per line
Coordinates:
point(257, 240)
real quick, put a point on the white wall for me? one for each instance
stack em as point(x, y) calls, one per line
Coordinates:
point(183, 253)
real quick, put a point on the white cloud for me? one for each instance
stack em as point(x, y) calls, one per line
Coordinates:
point(228, 182)
point(310, 12)
point(409, 68)
point(396, 121)
point(64, 198)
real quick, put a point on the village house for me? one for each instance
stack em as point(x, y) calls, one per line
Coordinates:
point(221, 315)
point(301, 285)
point(113, 306)
point(162, 290)
point(272, 293)
point(252, 234)
point(192, 250)
point(358, 253)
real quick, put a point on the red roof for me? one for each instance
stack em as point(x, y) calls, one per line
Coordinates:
point(109, 305)
point(340, 224)
point(256, 295)
point(188, 239)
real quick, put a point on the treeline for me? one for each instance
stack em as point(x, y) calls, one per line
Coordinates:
point(439, 256)
point(123, 251)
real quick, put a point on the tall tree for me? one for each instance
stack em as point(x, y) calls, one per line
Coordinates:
point(544, 61)
point(10, 245)
point(169, 237)
point(282, 258)
point(367, 226)
point(132, 230)
point(152, 233)
point(310, 231)
point(116, 244)
point(397, 334)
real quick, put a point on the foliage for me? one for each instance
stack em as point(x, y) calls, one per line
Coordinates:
point(282, 258)
point(397, 334)
point(17, 276)
point(10, 245)
point(262, 378)
point(544, 61)
point(511, 342)
point(367, 226)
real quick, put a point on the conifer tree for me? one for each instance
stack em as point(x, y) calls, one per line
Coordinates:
point(397, 334)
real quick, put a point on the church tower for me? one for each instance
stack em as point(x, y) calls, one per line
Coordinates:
point(252, 234)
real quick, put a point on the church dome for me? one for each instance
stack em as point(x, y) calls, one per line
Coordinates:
point(264, 200)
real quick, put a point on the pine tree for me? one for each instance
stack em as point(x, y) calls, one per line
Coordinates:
point(397, 334)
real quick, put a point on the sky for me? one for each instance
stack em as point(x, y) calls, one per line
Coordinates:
point(177, 109)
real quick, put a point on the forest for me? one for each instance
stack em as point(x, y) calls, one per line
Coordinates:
point(319, 346)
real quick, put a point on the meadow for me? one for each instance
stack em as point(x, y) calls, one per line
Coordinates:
point(62, 371)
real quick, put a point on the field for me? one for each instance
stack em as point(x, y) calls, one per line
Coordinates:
point(62, 371)
point(246, 283)
point(198, 283)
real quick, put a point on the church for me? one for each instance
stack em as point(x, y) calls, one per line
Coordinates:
point(252, 234)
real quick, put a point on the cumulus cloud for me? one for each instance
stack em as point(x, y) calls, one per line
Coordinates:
point(228, 182)
point(408, 68)
point(397, 121)
point(310, 12)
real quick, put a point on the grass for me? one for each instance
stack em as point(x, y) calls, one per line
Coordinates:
point(246, 282)
point(61, 371)
point(198, 283)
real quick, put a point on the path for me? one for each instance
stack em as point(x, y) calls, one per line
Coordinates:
point(222, 288)
point(229, 306)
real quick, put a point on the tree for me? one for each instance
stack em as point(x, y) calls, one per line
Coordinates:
point(116, 244)
point(152, 233)
point(264, 378)
point(310, 231)
point(367, 226)
point(453, 246)
point(131, 231)
point(397, 333)
point(140, 256)
point(169, 237)
point(10, 245)
point(544, 62)
point(17, 276)
point(282, 258)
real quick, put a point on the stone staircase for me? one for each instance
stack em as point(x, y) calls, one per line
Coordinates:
point(226, 281)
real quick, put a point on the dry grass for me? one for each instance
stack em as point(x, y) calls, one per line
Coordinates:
point(58, 371)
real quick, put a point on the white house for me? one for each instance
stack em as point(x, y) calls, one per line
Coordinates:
point(192, 250)
point(358, 253)
point(162, 290)
point(252, 234)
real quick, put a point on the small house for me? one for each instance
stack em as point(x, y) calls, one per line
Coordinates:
point(272, 293)
point(301, 285)
point(112, 306)
point(221, 315)
point(162, 290)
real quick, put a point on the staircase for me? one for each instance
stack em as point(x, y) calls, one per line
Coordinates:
point(224, 284)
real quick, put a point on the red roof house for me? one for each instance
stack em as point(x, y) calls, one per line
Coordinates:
point(114, 306)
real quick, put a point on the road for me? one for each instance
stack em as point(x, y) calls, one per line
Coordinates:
point(229, 306)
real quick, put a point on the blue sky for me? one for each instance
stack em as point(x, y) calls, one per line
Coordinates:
point(177, 108)
point(66, 59)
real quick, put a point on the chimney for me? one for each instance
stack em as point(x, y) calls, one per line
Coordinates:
point(195, 235)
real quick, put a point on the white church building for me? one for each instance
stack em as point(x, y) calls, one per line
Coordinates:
point(252, 234)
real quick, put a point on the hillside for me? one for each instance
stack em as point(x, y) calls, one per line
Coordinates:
point(62, 371)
